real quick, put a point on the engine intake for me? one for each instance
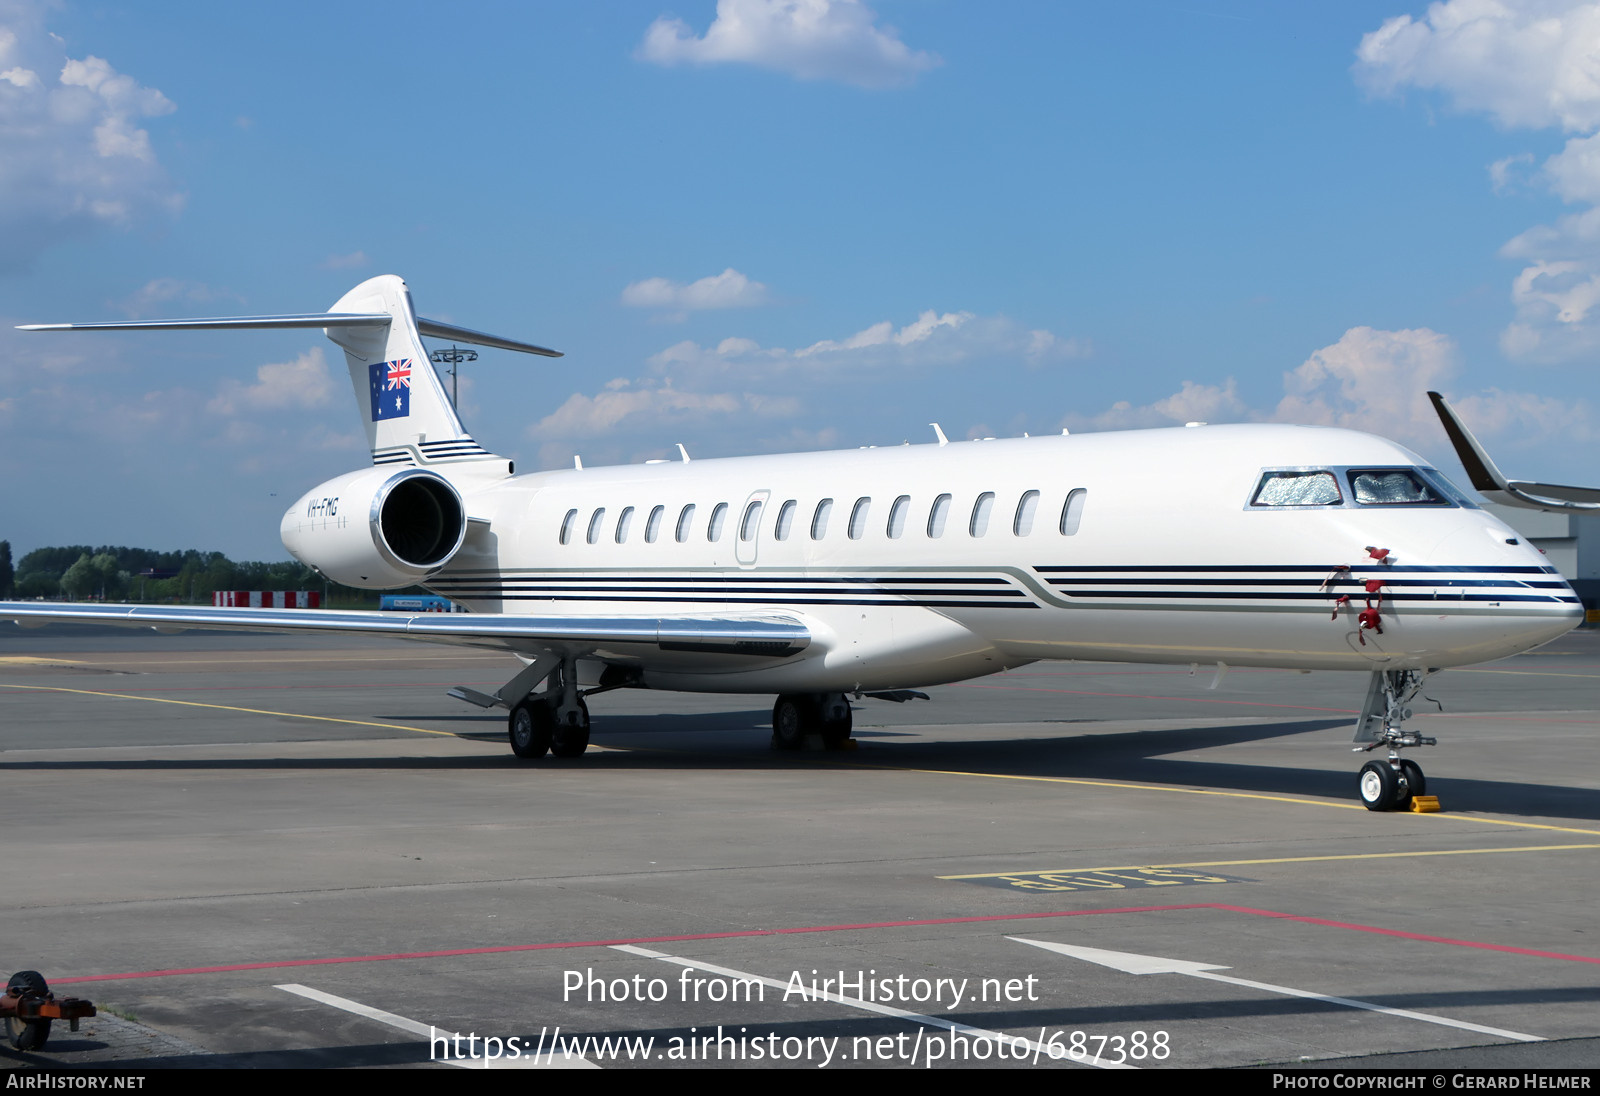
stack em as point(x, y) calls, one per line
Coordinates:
point(377, 529)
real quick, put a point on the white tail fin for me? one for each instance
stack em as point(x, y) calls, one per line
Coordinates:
point(402, 403)
point(403, 406)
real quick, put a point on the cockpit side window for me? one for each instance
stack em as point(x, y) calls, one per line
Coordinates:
point(1392, 487)
point(1316, 488)
point(1451, 491)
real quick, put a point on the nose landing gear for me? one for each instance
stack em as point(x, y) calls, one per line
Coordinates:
point(1394, 783)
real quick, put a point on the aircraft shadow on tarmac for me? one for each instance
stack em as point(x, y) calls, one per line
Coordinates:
point(848, 1028)
point(716, 741)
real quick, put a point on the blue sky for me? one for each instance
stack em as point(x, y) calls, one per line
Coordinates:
point(757, 226)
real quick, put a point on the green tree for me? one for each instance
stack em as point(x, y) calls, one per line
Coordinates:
point(78, 580)
point(7, 575)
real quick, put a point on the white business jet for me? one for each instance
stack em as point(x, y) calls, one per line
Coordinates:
point(822, 577)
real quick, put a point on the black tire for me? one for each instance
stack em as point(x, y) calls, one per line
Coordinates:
point(530, 728)
point(1379, 786)
point(1416, 783)
point(28, 1034)
point(571, 741)
point(836, 732)
point(793, 717)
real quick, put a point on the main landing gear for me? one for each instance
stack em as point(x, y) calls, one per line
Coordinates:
point(797, 715)
point(1392, 784)
point(536, 727)
point(548, 713)
point(554, 721)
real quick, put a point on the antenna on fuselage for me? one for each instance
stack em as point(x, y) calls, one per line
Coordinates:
point(684, 453)
point(939, 433)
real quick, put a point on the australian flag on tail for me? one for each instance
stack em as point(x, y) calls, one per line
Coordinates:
point(391, 389)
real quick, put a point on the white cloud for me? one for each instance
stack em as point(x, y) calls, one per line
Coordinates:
point(1507, 174)
point(932, 339)
point(730, 289)
point(304, 383)
point(810, 39)
point(1370, 380)
point(1191, 403)
point(159, 292)
point(608, 424)
point(623, 403)
point(346, 262)
point(739, 396)
point(1534, 64)
point(72, 153)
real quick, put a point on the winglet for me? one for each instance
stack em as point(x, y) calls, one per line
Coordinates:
point(1493, 484)
point(1481, 471)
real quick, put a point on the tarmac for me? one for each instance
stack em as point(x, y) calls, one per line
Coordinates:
point(252, 850)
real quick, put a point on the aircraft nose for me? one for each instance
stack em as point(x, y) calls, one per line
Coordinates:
point(1494, 594)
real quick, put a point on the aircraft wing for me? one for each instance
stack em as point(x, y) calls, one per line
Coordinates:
point(1492, 483)
point(757, 635)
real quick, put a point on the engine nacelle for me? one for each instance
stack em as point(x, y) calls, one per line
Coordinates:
point(377, 528)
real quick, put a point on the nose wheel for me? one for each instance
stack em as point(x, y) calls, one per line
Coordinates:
point(1390, 785)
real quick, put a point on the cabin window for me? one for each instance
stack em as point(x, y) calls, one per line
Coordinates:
point(714, 527)
point(685, 520)
point(785, 519)
point(652, 527)
point(1392, 487)
point(1022, 524)
point(819, 520)
point(979, 524)
point(751, 522)
point(595, 523)
point(566, 526)
point(1297, 489)
point(938, 515)
point(858, 518)
point(897, 516)
point(1072, 512)
point(624, 520)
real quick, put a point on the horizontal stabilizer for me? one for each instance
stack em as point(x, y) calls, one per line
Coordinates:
point(433, 329)
point(307, 319)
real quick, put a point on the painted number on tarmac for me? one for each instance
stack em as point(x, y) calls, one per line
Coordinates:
point(1120, 879)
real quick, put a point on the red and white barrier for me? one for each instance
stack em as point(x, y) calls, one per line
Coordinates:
point(267, 599)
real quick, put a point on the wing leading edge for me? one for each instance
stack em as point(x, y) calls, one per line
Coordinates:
point(757, 636)
point(1489, 481)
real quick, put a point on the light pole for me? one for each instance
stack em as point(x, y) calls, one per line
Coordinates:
point(453, 357)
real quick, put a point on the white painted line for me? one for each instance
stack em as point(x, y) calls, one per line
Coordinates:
point(1131, 963)
point(1040, 1050)
point(549, 1060)
point(1349, 1002)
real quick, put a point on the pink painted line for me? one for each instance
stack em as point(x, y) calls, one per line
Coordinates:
point(1508, 949)
point(861, 926)
point(504, 948)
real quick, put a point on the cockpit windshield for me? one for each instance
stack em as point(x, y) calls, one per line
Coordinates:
point(1342, 487)
point(1393, 487)
point(1297, 489)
